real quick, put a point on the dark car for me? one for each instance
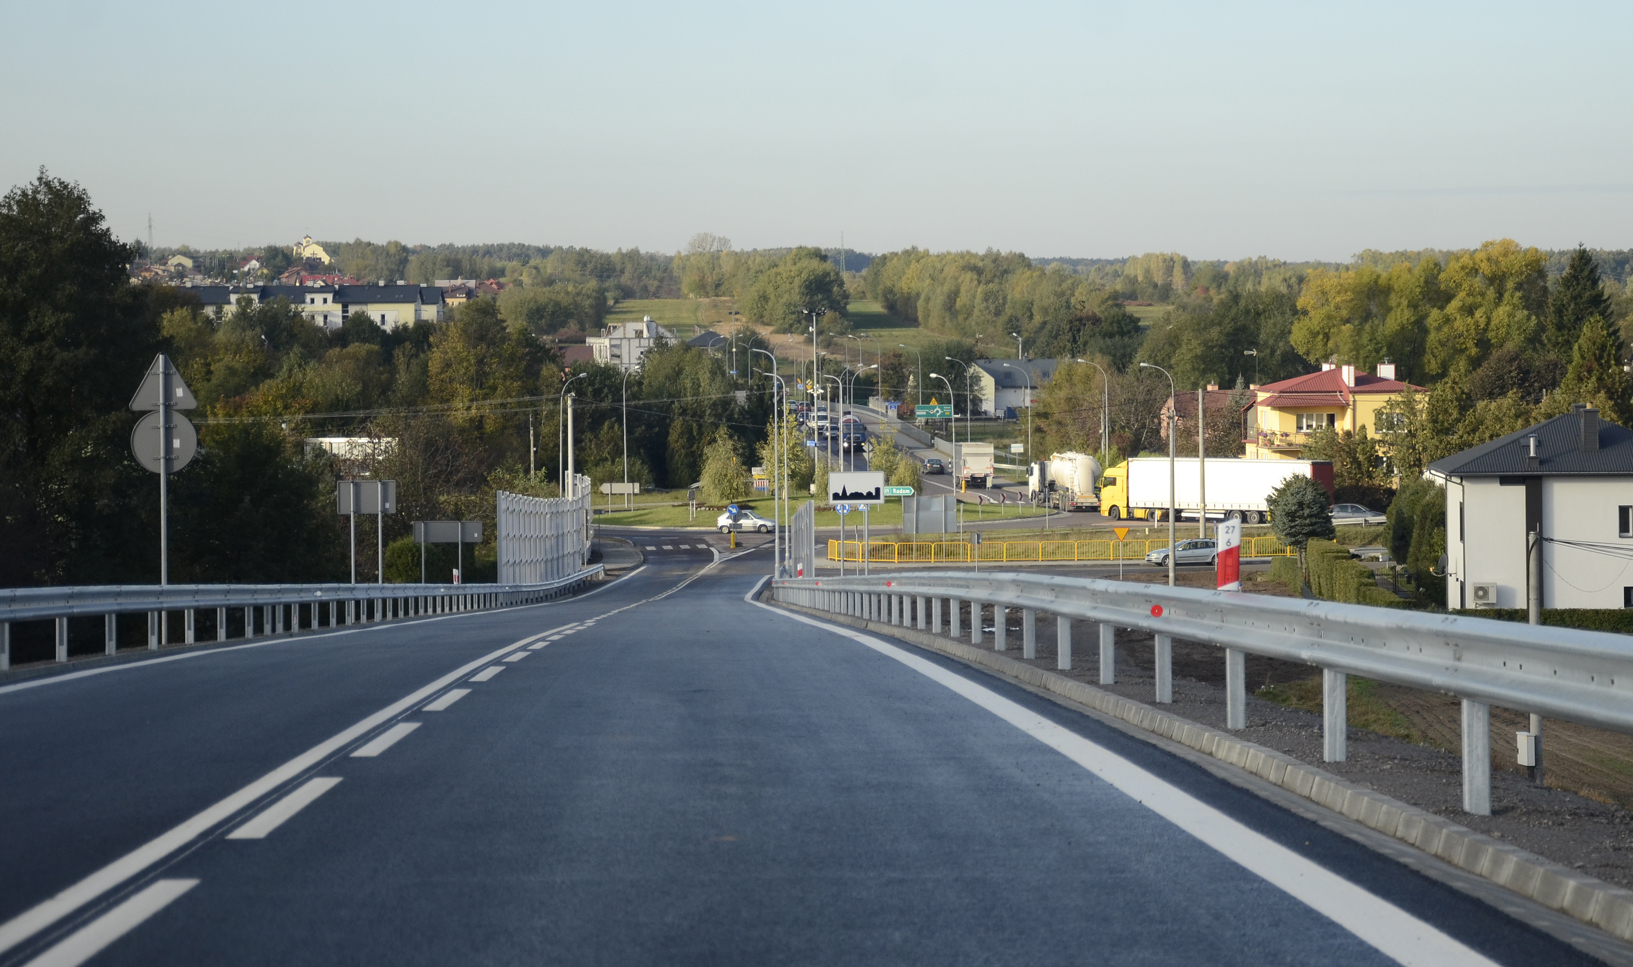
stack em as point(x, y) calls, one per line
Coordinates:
point(934, 465)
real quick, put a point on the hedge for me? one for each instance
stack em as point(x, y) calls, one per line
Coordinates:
point(1285, 570)
point(1618, 620)
point(1335, 576)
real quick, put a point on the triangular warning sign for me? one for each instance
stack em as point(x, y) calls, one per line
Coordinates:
point(151, 393)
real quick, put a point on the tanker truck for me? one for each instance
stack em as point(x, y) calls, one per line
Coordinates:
point(1068, 479)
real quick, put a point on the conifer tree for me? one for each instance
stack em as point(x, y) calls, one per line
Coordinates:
point(1299, 513)
point(1577, 296)
point(1596, 376)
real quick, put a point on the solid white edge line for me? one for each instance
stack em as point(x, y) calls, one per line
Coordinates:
point(487, 674)
point(280, 812)
point(287, 637)
point(448, 698)
point(1380, 924)
point(89, 940)
point(385, 740)
point(47, 912)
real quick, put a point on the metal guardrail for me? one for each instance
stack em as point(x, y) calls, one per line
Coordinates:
point(1001, 552)
point(1578, 676)
point(348, 604)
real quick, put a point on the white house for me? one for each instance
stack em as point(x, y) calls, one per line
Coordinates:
point(1002, 384)
point(624, 343)
point(1570, 477)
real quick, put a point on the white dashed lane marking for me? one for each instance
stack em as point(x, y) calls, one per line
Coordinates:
point(88, 941)
point(516, 657)
point(651, 547)
point(281, 811)
point(487, 673)
point(385, 740)
point(447, 699)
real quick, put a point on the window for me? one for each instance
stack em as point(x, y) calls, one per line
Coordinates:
point(1315, 421)
point(1627, 597)
point(1624, 526)
point(1389, 422)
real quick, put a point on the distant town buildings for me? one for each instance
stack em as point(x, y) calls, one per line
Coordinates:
point(1001, 385)
point(308, 249)
point(330, 306)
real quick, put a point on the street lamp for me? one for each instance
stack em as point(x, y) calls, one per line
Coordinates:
point(840, 383)
point(1028, 373)
point(561, 452)
point(1105, 410)
point(955, 409)
point(1173, 504)
point(626, 433)
point(854, 375)
point(1017, 337)
point(1255, 354)
point(968, 406)
point(779, 459)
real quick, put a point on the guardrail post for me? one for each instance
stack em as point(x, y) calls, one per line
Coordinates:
point(351, 611)
point(1476, 758)
point(1063, 643)
point(249, 623)
point(110, 634)
point(1235, 688)
point(1029, 633)
point(920, 610)
point(1335, 716)
point(935, 616)
point(1164, 647)
point(153, 631)
point(62, 639)
point(189, 626)
point(5, 646)
point(975, 622)
point(954, 612)
point(1108, 654)
point(1000, 618)
point(221, 624)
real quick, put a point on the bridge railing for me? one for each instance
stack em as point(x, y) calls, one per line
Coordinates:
point(267, 609)
point(1578, 676)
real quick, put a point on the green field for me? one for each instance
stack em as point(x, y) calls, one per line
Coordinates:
point(679, 316)
point(1147, 314)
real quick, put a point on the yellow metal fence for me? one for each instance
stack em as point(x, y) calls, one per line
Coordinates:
point(1000, 552)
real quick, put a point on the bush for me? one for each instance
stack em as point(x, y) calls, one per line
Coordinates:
point(1335, 576)
point(1285, 570)
point(1618, 620)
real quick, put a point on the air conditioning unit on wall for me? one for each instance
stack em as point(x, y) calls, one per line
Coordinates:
point(1483, 595)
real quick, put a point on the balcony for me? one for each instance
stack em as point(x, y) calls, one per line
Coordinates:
point(1276, 440)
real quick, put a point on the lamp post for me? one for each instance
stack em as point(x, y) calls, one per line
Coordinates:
point(561, 451)
point(854, 375)
point(955, 409)
point(1105, 410)
point(779, 459)
point(1255, 354)
point(840, 383)
point(1173, 504)
point(626, 435)
point(1017, 337)
point(968, 406)
point(1028, 373)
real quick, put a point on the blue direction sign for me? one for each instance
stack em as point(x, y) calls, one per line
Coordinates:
point(842, 508)
point(731, 508)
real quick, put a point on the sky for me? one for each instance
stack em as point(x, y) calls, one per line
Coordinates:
point(1091, 130)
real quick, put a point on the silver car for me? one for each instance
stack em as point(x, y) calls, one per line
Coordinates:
point(1197, 551)
point(744, 521)
point(1356, 514)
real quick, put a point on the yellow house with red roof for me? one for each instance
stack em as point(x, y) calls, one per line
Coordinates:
point(1284, 414)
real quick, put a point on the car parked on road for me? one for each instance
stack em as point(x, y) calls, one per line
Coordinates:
point(1356, 514)
point(934, 465)
point(744, 521)
point(1196, 551)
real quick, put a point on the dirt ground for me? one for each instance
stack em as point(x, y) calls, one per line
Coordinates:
point(1594, 835)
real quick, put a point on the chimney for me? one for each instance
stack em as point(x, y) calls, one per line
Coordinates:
point(1348, 371)
point(1590, 429)
point(1386, 370)
point(1532, 459)
point(1213, 387)
point(1327, 366)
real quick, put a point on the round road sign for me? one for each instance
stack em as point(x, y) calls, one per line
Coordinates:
point(145, 443)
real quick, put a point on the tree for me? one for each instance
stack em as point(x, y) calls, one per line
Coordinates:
point(1578, 295)
point(804, 281)
point(1299, 514)
point(724, 479)
point(76, 338)
point(1596, 376)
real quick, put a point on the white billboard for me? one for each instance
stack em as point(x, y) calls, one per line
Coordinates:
point(858, 487)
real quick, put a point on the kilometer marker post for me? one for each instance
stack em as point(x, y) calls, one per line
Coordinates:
point(1228, 553)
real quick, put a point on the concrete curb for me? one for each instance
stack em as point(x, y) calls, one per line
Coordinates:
point(1603, 905)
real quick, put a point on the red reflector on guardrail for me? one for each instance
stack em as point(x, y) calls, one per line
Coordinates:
point(1156, 611)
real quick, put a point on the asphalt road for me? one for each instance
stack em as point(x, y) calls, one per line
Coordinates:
point(670, 774)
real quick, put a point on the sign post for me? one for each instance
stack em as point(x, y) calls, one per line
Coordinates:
point(459, 532)
point(1122, 534)
point(352, 497)
point(1229, 550)
point(163, 441)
